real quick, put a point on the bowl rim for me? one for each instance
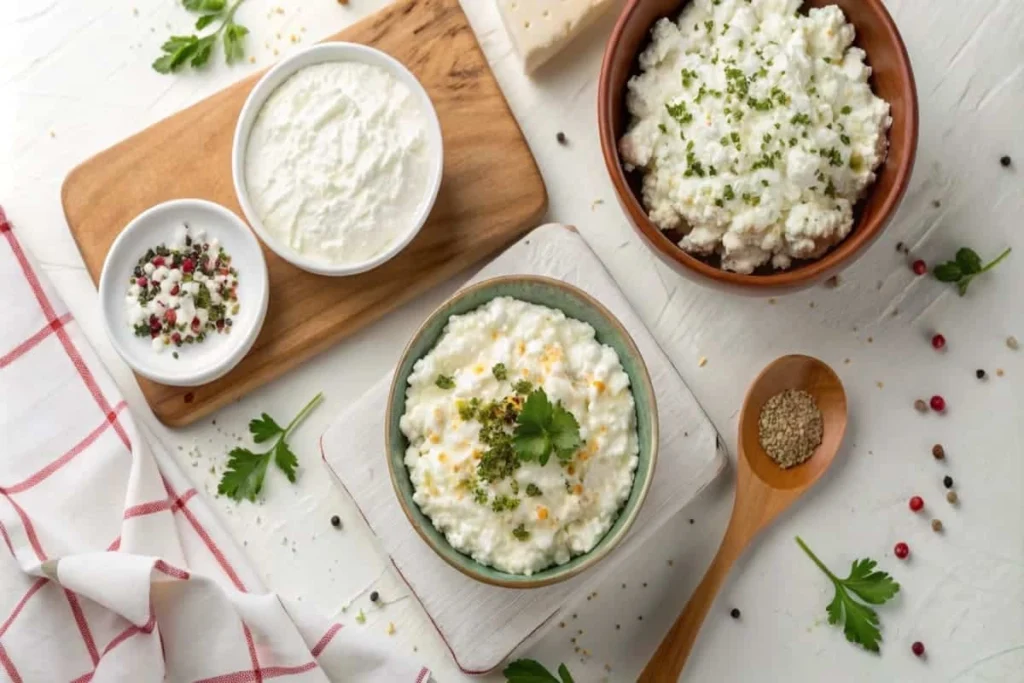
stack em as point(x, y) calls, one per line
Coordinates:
point(269, 82)
point(601, 550)
point(841, 255)
point(107, 283)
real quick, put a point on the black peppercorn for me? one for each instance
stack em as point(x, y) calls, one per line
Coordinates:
point(561, 138)
point(336, 522)
point(1006, 161)
point(979, 373)
point(734, 613)
point(374, 596)
point(947, 481)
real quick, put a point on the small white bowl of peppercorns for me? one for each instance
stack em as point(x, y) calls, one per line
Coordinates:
point(183, 292)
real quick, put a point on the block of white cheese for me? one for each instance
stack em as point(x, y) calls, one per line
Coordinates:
point(539, 29)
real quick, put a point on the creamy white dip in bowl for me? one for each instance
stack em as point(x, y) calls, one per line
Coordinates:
point(546, 520)
point(337, 158)
point(167, 224)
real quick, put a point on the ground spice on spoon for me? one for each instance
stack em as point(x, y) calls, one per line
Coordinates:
point(790, 427)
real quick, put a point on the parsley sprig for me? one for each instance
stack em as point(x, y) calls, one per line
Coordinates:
point(246, 470)
point(531, 671)
point(543, 428)
point(965, 267)
point(195, 51)
point(860, 621)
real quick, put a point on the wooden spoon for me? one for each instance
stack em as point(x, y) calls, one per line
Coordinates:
point(763, 490)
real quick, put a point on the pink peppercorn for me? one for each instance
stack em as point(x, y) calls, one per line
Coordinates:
point(937, 403)
point(916, 503)
point(142, 282)
point(917, 648)
point(938, 341)
point(920, 268)
point(174, 290)
point(188, 266)
point(171, 316)
point(902, 550)
point(158, 261)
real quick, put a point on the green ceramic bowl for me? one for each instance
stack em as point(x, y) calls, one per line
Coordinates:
point(575, 304)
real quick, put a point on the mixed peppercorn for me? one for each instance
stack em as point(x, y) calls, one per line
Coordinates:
point(180, 294)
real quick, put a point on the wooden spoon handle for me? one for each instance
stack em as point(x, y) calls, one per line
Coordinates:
point(667, 663)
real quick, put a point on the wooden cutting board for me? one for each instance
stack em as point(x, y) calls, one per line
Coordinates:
point(491, 193)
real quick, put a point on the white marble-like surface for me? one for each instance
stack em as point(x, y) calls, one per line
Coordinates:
point(75, 78)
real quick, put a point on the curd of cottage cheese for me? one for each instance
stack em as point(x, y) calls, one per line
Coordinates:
point(558, 510)
point(756, 130)
point(337, 163)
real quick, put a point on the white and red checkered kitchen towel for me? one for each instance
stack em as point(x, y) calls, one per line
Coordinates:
point(116, 570)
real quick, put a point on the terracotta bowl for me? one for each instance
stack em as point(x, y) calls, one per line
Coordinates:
point(892, 80)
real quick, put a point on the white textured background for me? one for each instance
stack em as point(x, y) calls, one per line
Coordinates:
point(75, 78)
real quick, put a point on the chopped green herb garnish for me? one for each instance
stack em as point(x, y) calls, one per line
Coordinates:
point(688, 76)
point(521, 533)
point(467, 409)
point(802, 119)
point(500, 372)
point(533, 490)
point(846, 110)
point(835, 158)
point(844, 138)
point(444, 382)
point(678, 112)
point(503, 503)
point(523, 387)
point(728, 192)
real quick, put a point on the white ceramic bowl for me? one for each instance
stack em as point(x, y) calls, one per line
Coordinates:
point(196, 363)
point(318, 54)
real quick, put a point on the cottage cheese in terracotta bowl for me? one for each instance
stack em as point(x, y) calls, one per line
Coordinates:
point(521, 437)
point(755, 130)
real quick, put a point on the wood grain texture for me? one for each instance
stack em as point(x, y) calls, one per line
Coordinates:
point(491, 194)
point(763, 491)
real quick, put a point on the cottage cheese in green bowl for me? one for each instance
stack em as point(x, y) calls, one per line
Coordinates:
point(522, 431)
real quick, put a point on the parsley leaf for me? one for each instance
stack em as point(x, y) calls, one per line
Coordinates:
point(964, 267)
point(243, 478)
point(285, 460)
point(263, 428)
point(968, 260)
point(195, 51)
point(543, 428)
point(531, 671)
point(860, 622)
